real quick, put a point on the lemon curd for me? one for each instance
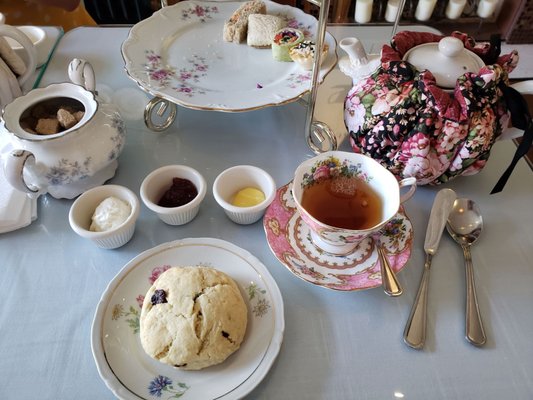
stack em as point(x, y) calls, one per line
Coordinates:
point(248, 197)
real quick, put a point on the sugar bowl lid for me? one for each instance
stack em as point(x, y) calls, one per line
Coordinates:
point(447, 60)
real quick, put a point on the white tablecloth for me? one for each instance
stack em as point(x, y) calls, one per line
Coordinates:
point(336, 345)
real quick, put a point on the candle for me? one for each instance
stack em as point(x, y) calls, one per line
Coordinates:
point(486, 8)
point(454, 9)
point(424, 9)
point(363, 11)
point(392, 10)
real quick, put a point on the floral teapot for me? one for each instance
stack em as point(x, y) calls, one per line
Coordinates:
point(76, 149)
point(431, 106)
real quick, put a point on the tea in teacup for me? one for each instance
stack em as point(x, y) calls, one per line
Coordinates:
point(344, 202)
point(346, 197)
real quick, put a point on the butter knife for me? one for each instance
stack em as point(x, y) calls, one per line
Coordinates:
point(414, 334)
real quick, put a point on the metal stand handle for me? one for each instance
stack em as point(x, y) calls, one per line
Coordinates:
point(316, 131)
point(164, 105)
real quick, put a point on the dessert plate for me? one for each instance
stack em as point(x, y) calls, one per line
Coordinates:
point(131, 374)
point(289, 239)
point(179, 54)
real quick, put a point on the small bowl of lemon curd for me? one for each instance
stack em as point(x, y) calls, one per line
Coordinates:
point(244, 192)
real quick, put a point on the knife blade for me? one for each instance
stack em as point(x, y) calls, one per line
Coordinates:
point(414, 334)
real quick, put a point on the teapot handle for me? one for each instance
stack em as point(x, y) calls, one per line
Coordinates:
point(81, 73)
point(524, 87)
point(14, 33)
point(14, 166)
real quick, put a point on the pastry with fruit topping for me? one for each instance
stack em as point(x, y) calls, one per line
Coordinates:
point(304, 54)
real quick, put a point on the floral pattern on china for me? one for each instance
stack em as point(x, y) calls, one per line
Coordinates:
point(68, 162)
point(333, 167)
point(163, 384)
point(328, 168)
point(187, 65)
point(130, 373)
point(290, 240)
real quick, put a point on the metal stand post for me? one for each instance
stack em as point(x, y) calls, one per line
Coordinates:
point(319, 135)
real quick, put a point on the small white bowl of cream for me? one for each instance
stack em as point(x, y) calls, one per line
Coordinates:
point(106, 215)
point(244, 192)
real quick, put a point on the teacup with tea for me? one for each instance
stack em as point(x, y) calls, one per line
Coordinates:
point(345, 197)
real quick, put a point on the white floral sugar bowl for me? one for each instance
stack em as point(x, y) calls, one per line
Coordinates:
point(77, 148)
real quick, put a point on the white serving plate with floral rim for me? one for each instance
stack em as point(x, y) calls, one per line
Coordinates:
point(131, 374)
point(178, 54)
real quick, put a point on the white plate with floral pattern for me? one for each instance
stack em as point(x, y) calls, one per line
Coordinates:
point(131, 374)
point(178, 54)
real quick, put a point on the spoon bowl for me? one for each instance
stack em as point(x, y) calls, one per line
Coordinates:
point(464, 225)
point(465, 222)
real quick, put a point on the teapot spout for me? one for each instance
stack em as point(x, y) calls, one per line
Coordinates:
point(359, 64)
point(355, 50)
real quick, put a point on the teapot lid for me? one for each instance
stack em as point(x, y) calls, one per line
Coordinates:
point(447, 60)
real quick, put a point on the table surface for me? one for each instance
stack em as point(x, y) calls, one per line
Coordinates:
point(53, 35)
point(336, 344)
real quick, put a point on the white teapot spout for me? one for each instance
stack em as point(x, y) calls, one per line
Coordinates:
point(355, 50)
point(358, 64)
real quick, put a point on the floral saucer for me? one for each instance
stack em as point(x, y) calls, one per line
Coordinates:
point(289, 239)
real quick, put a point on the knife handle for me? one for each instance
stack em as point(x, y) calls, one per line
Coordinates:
point(414, 334)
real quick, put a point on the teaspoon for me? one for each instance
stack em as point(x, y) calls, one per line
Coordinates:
point(464, 225)
point(391, 286)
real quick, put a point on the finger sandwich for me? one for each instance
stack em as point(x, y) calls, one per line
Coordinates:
point(261, 29)
point(236, 27)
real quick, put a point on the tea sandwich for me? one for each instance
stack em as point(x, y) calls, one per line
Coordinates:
point(262, 28)
point(236, 27)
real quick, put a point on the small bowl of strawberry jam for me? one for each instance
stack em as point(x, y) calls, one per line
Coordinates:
point(174, 193)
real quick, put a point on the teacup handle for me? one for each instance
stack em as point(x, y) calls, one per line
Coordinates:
point(411, 181)
point(81, 73)
point(14, 33)
point(14, 166)
point(524, 87)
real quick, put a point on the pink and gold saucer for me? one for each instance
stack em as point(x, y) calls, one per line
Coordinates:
point(289, 239)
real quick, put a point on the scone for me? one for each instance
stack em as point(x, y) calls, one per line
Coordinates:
point(192, 318)
point(236, 27)
point(261, 29)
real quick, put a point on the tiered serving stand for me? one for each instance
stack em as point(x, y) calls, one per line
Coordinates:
point(161, 112)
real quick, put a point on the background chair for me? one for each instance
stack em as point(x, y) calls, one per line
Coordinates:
point(118, 11)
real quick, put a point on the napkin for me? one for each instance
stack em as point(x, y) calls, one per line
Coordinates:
point(17, 209)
